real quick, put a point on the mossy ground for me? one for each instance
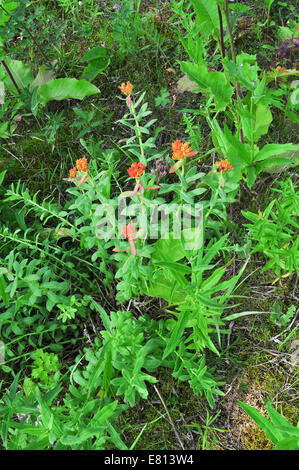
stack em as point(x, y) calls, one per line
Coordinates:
point(251, 364)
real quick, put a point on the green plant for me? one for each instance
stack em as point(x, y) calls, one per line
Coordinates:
point(44, 367)
point(274, 231)
point(163, 99)
point(284, 435)
point(50, 130)
point(20, 82)
point(248, 113)
point(87, 122)
point(207, 432)
point(279, 318)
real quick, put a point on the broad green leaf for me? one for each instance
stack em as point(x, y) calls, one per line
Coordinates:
point(95, 67)
point(263, 119)
point(237, 151)
point(103, 414)
point(288, 429)
point(177, 267)
point(167, 289)
point(168, 250)
point(97, 52)
point(244, 71)
point(2, 175)
point(274, 149)
point(40, 444)
point(272, 165)
point(3, 294)
point(21, 74)
point(207, 18)
point(213, 84)
point(49, 421)
point(234, 316)
point(43, 76)
point(13, 388)
point(63, 88)
point(257, 124)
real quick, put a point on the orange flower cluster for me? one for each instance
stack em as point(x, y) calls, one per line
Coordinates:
point(126, 89)
point(280, 69)
point(129, 231)
point(136, 169)
point(73, 173)
point(81, 165)
point(224, 165)
point(180, 150)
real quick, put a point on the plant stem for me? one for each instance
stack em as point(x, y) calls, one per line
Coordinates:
point(11, 76)
point(229, 30)
point(233, 53)
point(221, 32)
point(138, 132)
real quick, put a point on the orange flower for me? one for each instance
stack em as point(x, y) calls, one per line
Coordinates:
point(180, 150)
point(82, 164)
point(126, 89)
point(129, 231)
point(73, 173)
point(224, 165)
point(136, 169)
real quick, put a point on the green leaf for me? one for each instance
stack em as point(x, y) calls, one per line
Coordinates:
point(94, 68)
point(63, 88)
point(262, 422)
point(263, 119)
point(290, 443)
point(163, 287)
point(251, 176)
point(207, 18)
point(210, 83)
point(176, 334)
point(272, 165)
point(274, 149)
point(234, 316)
point(44, 75)
point(13, 388)
point(269, 3)
point(97, 52)
point(9, 9)
point(2, 175)
point(168, 250)
point(277, 418)
point(3, 294)
point(22, 75)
